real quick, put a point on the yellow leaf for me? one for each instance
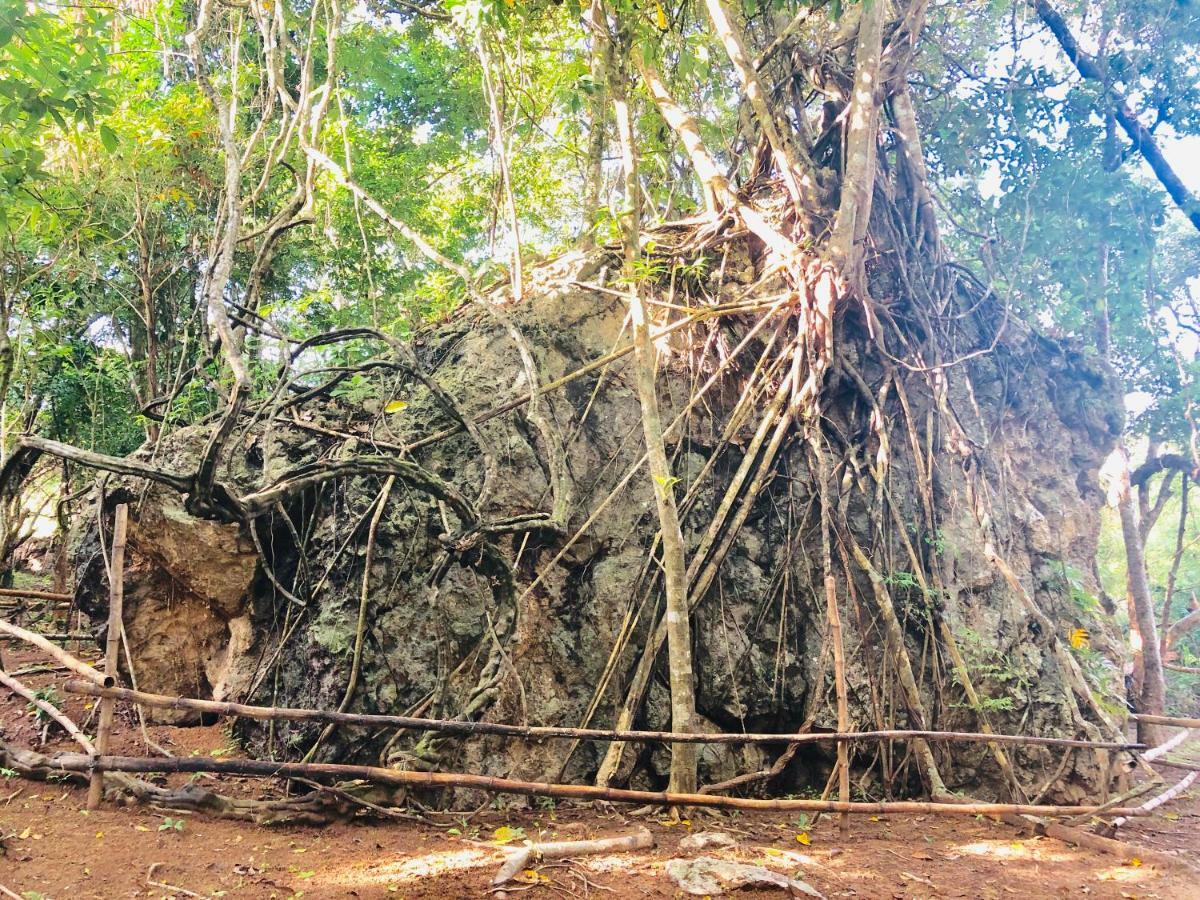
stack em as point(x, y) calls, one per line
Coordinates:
point(505, 835)
point(803, 838)
point(874, 819)
point(1171, 816)
point(1135, 862)
point(99, 834)
point(772, 851)
point(396, 406)
point(1080, 638)
point(660, 16)
point(141, 827)
point(24, 834)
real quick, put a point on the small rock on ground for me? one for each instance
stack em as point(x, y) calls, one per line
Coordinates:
point(705, 875)
point(705, 840)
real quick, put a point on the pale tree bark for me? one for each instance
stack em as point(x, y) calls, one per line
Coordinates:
point(713, 183)
point(1151, 696)
point(221, 268)
point(718, 195)
point(595, 22)
point(908, 140)
point(797, 172)
point(145, 274)
point(499, 147)
point(674, 563)
point(1176, 560)
point(858, 182)
point(1188, 623)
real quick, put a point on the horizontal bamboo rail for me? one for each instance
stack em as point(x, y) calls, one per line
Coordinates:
point(36, 595)
point(77, 666)
point(537, 732)
point(79, 762)
point(1174, 721)
point(66, 635)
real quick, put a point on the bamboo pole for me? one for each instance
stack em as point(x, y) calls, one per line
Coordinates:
point(49, 709)
point(77, 762)
point(1159, 799)
point(66, 636)
point(542, 732)
point(112, 645)
point(1165, 748)
point(56, 653)
point(1174, 721)
point(36, 595)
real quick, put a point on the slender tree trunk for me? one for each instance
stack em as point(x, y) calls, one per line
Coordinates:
point(1164, 627)
point(1151, 696)
point(679, 629)
point(596, 21)
point(501, 150)
point(145, 277)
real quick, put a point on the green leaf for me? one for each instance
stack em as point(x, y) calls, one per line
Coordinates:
point(109, 138)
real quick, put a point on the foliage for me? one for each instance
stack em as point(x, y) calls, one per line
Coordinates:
point(56, 73)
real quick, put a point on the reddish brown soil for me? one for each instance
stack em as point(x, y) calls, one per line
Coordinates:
point(51, 848)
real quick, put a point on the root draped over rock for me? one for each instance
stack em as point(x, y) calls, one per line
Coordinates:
point(961, 508)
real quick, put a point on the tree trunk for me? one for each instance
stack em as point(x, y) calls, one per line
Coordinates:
point(854, 212)
point(595, 21)
point(1151, 695)
point(678, 618)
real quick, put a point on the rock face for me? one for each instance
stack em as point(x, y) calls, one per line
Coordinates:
point(519, 627)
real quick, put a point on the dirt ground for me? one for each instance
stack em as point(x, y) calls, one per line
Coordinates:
point(51, 848)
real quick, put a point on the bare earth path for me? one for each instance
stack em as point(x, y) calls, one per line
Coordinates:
point(50, 849)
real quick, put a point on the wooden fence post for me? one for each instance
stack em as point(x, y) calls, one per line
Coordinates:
point(112, 645)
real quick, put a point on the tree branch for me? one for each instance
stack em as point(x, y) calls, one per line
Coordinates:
point(1095, 69)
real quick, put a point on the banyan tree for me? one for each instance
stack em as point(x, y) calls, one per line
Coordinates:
point(757, 456)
